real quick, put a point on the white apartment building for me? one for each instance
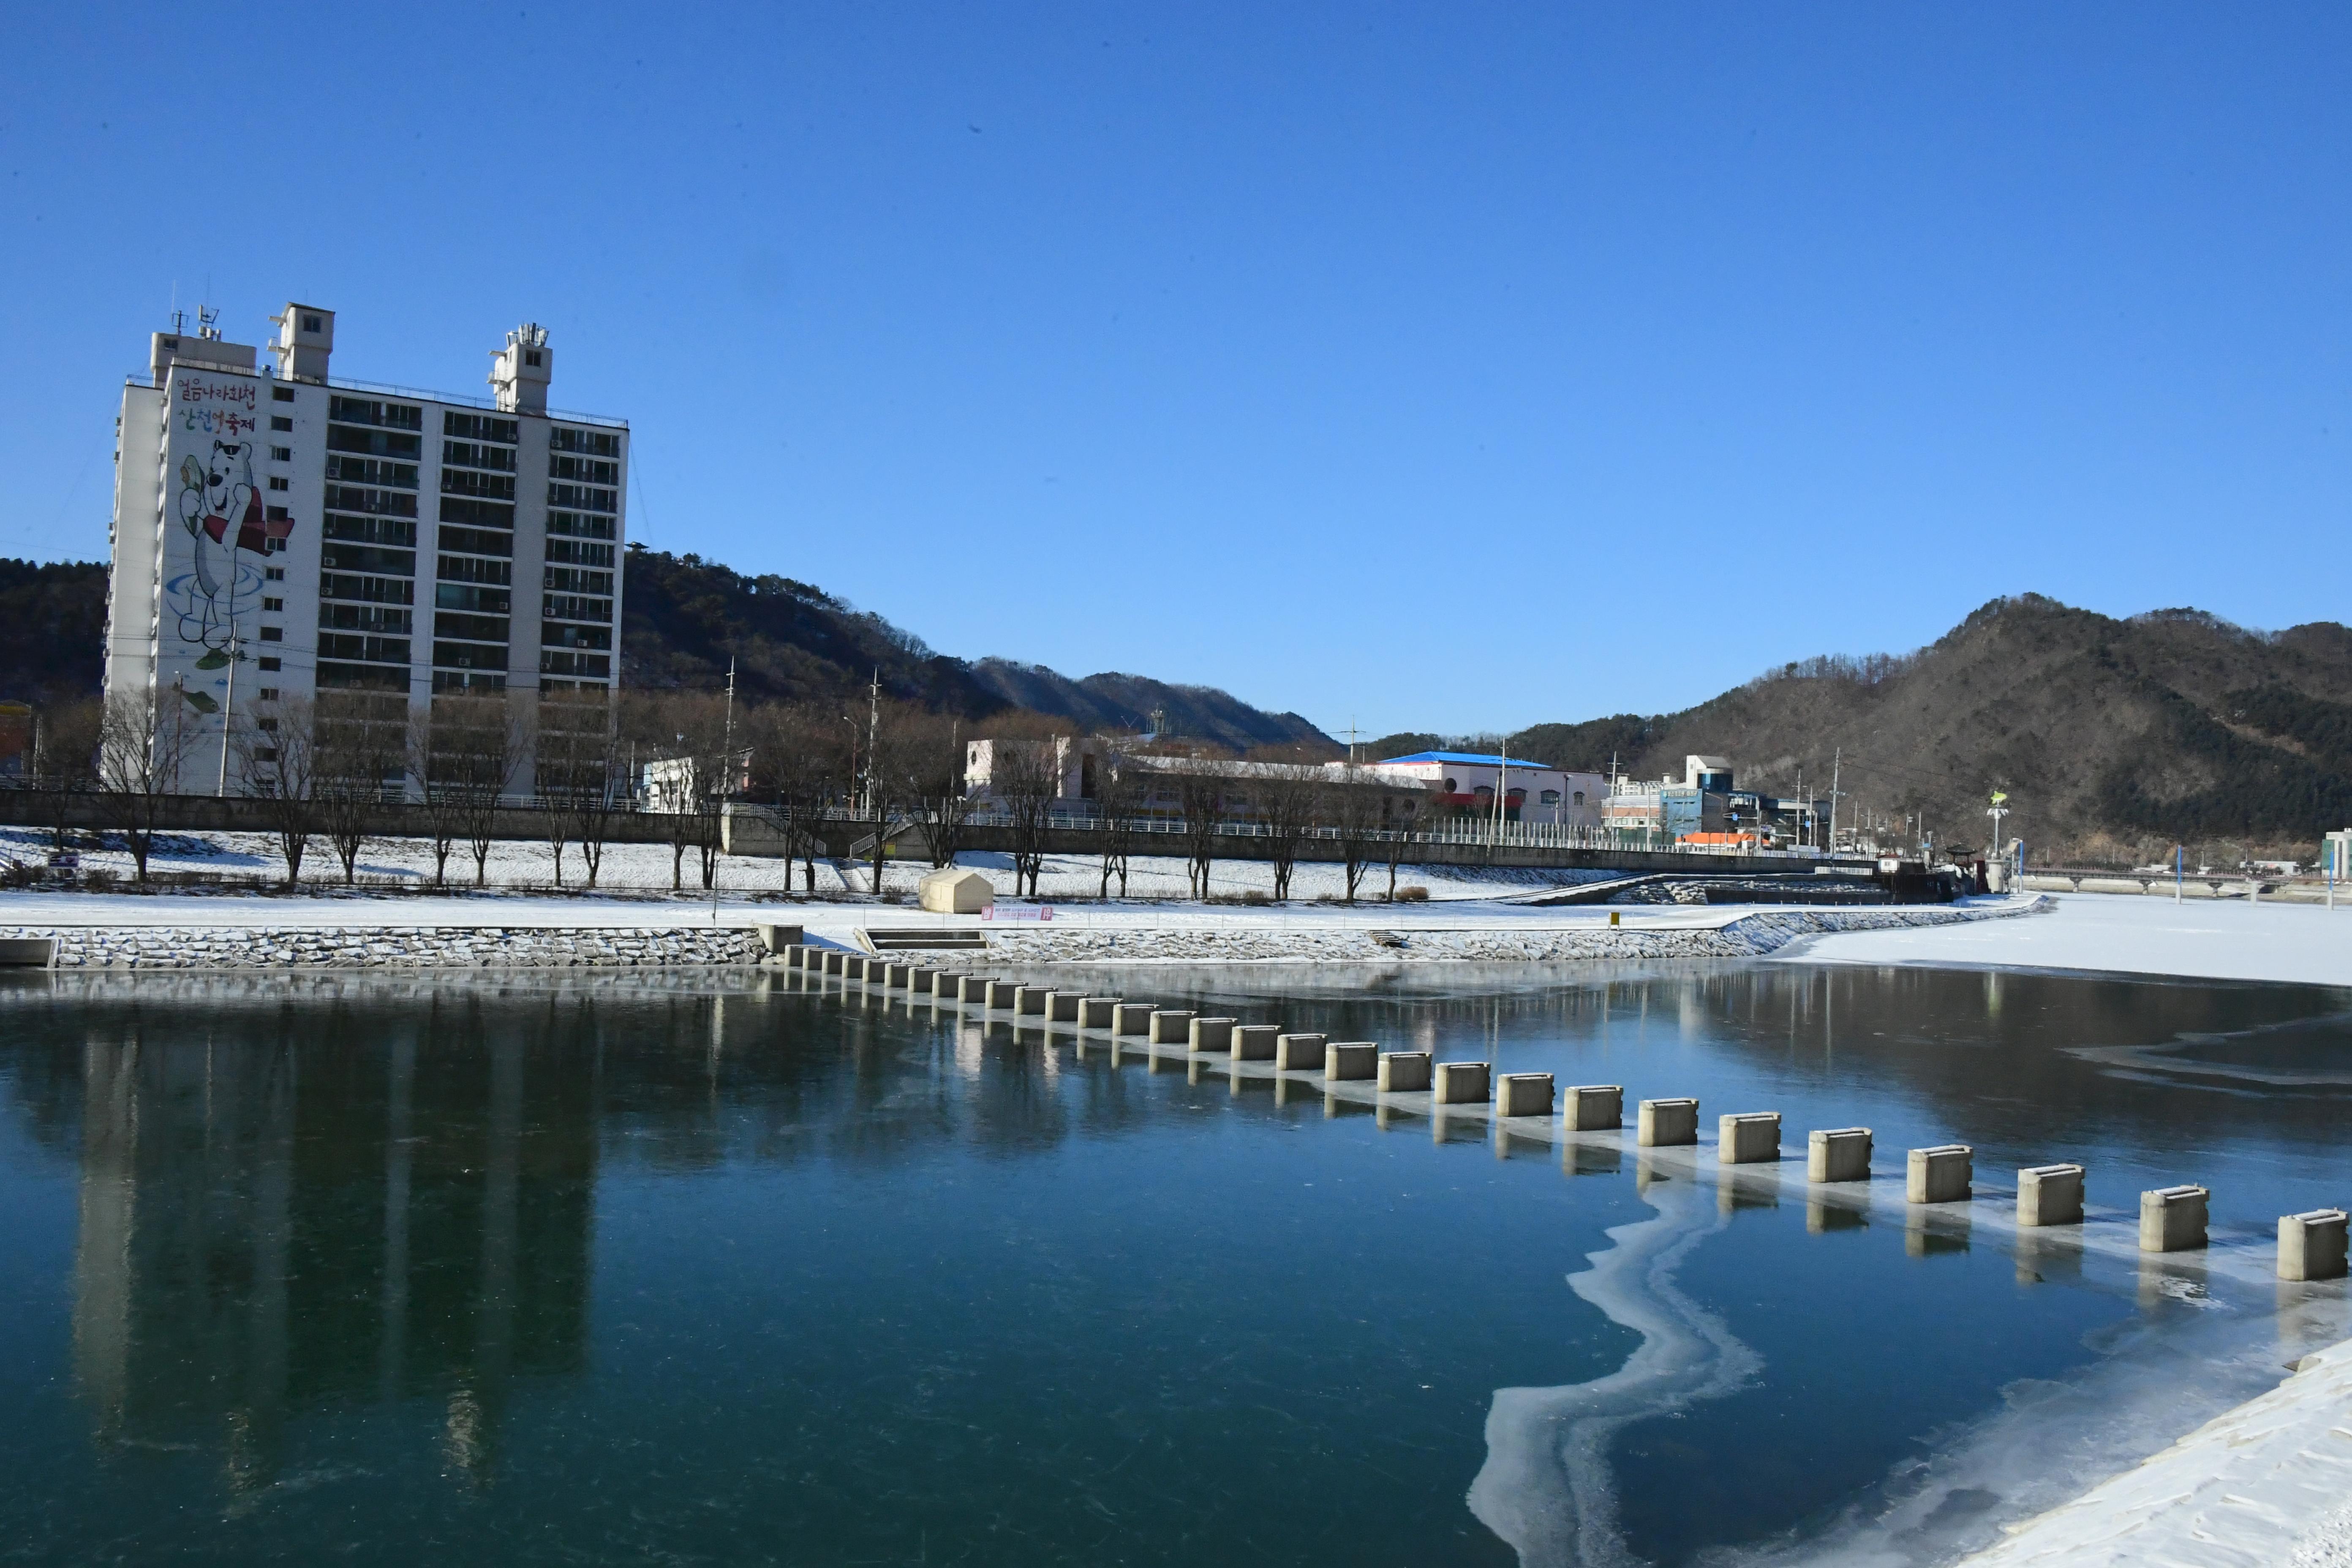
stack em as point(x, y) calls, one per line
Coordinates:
point(282, 533)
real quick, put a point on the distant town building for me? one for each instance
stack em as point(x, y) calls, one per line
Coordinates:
point(282, 534)
point(1412, 789)
point(1702, 808)
point(1466, 782)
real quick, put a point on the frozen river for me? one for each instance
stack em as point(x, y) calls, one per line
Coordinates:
point(738, 1267)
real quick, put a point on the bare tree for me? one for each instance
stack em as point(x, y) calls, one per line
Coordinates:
point(443, 812)
point(1400, 837)
point(799, 758)
point(1350, 810)
point(1119, 797)
point(679, 733)
point(1290, 799)
point(934, 771)
point(1201, 795)
point(65, 763)
point(478, 745)
point(1026, 776)
point(575, 766)
point(140, 753)
point(277, 756)
point(360, 753)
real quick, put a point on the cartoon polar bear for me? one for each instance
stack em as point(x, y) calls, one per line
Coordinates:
point(218, 495)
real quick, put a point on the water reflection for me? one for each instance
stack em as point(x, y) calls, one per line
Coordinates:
point(266, 1226)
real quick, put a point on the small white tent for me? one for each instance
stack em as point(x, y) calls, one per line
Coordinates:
point(956, 892)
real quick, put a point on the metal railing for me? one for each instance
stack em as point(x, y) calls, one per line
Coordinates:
point(1503, 836)
point(1506, 836)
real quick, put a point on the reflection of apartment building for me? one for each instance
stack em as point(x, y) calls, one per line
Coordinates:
point(266, 1230)
point(281, 534)
point(1411, 789)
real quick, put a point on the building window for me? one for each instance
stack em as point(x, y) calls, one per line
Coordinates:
point(1549, 797)
point(481, 427)
point(265, 753)
point(269, 694)
point(531, 357)
point(273, 605)
point(1579, 797)
point(273, 633)
point(277, 482)
point(279, 422)
point(273, 573)
point(309, 323)
point(281, 395)
point(269, 726)
point(276, 513)
point(281, 454)
point(1450, 788)
point(268, 662)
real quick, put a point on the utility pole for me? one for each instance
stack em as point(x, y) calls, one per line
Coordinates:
point(726, 784)
point(228, 709)
point(1837, 763)
point(1502, 782)
point(873, 727)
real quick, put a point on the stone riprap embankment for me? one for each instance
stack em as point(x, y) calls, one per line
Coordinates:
point(444, 947)
point(1749, 936)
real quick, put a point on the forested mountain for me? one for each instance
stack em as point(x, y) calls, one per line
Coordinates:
point(52, 630)
point(1115, 702)
point(683, 619)
point(685, 616)
point(2112, 738)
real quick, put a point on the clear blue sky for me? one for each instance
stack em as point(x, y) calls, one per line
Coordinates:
point(1447, 368)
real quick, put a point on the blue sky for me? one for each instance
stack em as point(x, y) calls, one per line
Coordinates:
point(1452, 366)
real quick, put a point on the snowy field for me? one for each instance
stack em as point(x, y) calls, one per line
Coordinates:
point(641, 869)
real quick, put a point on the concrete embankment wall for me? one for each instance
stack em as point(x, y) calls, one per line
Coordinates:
point(355, 947)
point(1748, 936)
point(620, 947)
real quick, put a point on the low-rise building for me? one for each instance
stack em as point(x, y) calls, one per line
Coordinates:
point(1702, 808)
point(1467, 783)
point(1411, 790)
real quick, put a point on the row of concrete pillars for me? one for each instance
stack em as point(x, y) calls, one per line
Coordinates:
point(2311, 1246)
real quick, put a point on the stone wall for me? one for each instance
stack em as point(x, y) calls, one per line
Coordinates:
point(394, 947)
point(1745, 937)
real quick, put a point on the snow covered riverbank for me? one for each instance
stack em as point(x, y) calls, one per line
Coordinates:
point(2123, 936)
point(2268, 1483)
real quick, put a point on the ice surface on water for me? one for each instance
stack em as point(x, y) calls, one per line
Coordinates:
point(1547, 1487)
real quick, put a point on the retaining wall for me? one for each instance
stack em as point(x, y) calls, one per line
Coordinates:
point(455, 947)
point(1745, 937)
